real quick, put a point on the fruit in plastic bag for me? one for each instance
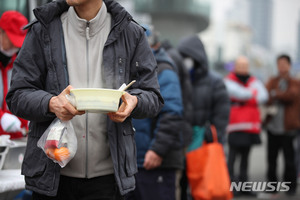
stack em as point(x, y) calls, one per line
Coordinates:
point(61, 154)
point(59, 142)
point(50, 152)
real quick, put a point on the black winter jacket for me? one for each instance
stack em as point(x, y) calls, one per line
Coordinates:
point(40, 72)
point(210, 98)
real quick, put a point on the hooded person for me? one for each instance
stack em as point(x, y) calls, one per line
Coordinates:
point(12, 36)
point(210, 99)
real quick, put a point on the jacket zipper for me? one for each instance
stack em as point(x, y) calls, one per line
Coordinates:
point(88, 81)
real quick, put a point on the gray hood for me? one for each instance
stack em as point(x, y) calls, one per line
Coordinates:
point(192, 46)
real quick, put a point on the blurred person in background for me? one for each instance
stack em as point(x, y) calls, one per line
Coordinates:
point(12, 36)
point(246, 94)
point(209, 99)
point(158, 140)
point(282, 122)
point(186, 92)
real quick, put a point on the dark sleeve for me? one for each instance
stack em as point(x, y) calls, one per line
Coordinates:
point(146, 88)
point(220, 108)
point(168, 125)
point(27, 97)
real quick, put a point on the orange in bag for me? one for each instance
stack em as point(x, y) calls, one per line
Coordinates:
point(61, 154)
point(50, 152)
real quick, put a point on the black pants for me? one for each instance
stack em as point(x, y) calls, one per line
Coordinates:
point(99, 188)
point(156, 184)
point(275, 144)
point(243, 152)
point(184, 185)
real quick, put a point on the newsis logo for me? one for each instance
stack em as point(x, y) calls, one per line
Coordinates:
point(260, 186)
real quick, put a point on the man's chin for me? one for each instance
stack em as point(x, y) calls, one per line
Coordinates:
point(73, 2)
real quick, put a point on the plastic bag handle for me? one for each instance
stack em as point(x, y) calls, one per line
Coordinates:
point(214, 133)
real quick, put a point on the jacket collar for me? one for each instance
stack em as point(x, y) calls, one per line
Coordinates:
point(94, 25)
point(162, 56)
point(232, 76)
point(48, 12)
point(120, 17)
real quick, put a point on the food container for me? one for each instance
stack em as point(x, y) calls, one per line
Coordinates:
point(96, 99)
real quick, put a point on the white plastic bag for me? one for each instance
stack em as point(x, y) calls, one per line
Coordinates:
point(59, 142)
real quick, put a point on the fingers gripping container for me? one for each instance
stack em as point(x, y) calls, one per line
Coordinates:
point(95, 99)
point(59, 142)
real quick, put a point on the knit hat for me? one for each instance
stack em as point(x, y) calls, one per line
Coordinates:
point(12, 22)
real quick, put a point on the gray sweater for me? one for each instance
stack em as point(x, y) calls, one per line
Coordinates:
point(84, 42)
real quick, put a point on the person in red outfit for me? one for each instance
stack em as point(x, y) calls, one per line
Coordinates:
point(12, 36)
point(246, 93)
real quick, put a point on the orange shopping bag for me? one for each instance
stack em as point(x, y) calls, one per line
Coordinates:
point(207, 171)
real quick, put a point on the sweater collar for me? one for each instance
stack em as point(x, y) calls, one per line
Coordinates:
point(88, 28)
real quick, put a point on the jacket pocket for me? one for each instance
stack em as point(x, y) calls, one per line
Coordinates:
point(39, 171)
point(130, 148)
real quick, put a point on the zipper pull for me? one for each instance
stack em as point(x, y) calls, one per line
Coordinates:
point(87, 30)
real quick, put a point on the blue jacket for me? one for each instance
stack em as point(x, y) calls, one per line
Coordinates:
point(162, 134)
point(40, 71)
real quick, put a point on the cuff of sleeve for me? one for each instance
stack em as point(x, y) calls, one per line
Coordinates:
point(46, 111)
point(159, 149)
point(138, 105)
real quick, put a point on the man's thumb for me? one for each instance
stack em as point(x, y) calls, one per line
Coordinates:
point(67, 90)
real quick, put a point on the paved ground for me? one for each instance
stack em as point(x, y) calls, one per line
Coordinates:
point(257, 172)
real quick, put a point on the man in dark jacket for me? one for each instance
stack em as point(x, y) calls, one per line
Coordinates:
point(210, 99)
point(158, 139)
point(91, 44)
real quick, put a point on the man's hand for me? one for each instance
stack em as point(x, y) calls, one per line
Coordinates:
point(61, 107)
point(127, 106)
point(152, 160)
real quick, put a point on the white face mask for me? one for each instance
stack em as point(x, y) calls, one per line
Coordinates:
point(188, 62)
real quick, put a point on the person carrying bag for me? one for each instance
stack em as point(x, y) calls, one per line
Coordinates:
point(207, 170)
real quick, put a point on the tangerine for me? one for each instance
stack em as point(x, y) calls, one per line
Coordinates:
point(50, 152)
point(61, 154)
